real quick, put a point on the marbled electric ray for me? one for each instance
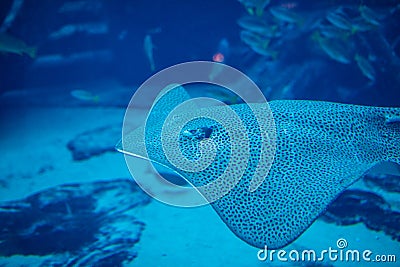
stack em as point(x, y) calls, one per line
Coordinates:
point(321, 149)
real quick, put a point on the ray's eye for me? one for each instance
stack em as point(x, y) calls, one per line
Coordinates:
point(200, 133)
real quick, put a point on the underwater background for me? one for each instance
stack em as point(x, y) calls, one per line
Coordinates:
point(68, 70)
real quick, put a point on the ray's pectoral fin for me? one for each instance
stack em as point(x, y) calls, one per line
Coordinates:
point(168, 99)
point(311, 167)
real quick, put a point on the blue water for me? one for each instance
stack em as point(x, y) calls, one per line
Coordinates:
point(91, 57)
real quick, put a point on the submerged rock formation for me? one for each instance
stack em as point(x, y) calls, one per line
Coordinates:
point(389, 183)
point(90, 224)
point(357, 206)
point(94, 142)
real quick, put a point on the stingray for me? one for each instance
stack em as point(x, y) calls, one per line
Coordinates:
point(321, 149)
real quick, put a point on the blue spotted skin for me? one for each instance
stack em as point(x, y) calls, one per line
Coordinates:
point(321, 149)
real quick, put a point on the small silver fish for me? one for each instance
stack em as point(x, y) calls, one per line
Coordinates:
point(340, 21)
point(285, 15)
point(366, 68)
point(369, 15)
point(264, 51)
point(10, 44)
point(257, 25)
point(360, 25)
point(85, 95)
point(253, 39)
point(148, 49)
point(255, 7)
point(331, 31)
point(90, 28)
point(333, 48)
